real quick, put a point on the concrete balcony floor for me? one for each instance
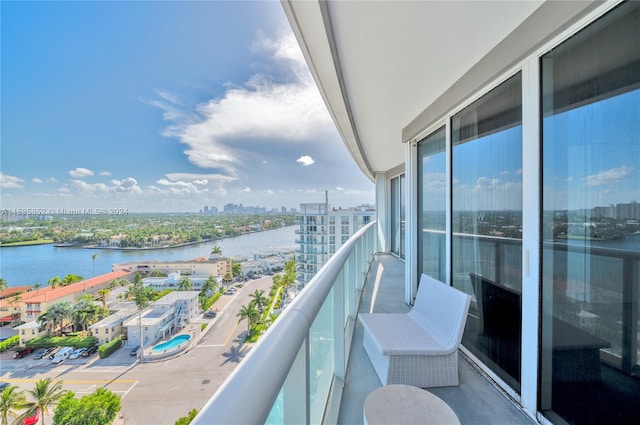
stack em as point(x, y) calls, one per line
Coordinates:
point(475, 401)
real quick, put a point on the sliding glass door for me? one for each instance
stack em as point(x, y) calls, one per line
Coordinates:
point(591, 222)
point(486, 225)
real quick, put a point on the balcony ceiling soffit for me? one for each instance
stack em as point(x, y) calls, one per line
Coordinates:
point(395, 58)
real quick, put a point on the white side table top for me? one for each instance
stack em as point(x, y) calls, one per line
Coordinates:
point(406, 405)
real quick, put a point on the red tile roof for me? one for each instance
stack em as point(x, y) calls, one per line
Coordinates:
point(47, 294)
point(14, 289)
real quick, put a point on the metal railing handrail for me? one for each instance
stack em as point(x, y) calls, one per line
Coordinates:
point(263, 372)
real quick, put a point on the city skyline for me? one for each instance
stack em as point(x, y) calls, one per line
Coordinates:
point(164, 107)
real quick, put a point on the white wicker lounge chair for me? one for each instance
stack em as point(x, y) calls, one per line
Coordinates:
point(419, 348)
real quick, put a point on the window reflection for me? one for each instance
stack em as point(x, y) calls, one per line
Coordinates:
point(487, 225)
point(432, 205)
point(590, 223)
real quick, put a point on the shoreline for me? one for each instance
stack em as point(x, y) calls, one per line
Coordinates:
point(152, 248)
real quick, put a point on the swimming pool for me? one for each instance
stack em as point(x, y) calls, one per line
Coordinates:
point(173, 343)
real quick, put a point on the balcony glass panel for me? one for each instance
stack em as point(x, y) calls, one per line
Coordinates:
point(432, 202)
point(487, 225)
point(590, 223)
point(321, 358)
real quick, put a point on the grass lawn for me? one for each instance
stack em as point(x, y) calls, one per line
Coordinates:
point(34, 242)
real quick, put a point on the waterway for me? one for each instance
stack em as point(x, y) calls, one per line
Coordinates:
point(27, 265)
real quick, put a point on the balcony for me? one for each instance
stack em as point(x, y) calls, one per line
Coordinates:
point(310, 366)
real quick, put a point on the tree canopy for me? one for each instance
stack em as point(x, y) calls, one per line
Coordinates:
point(98, 408)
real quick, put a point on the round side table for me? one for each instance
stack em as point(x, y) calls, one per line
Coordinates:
point(406, 405)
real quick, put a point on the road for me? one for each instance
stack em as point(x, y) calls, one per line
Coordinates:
point(155, 393)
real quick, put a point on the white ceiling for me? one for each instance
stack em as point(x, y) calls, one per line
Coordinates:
point(395, 58)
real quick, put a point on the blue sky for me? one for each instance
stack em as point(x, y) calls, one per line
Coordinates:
point(163, 106)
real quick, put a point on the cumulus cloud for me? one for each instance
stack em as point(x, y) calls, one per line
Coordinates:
point(37, 180)
point(80, 172)
point(614, 175)
point(127, 185)
point(183, 187)
point(246, 189)
point(10, 182)
point(305, 160)
point(283, 106)
point(486, 184)
point(105, 173)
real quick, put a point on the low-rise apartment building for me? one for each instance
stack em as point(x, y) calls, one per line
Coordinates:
point(112, 326)
point(199, 266)
point(167, 315)
point(29, 331)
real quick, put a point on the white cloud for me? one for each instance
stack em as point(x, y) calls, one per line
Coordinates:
point(338, 188)
point(105, 173)
point(614, 175)
point(486, 184)
point(80, 172)
point(286, 107)
point(182, 187)
point(10, 182)
point(37, 180)
point(305, 160)
point(195, 176)
point(89, 188)
point(246, 189)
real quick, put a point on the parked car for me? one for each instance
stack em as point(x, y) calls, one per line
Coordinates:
point(62, 355)
point(76, 353)
point(228, 292)
point(134, 351)
point(41, 353)
point(3, 385)
point(90, 351)
point(33, 419)
point(53, 352)
point(22, 352)
point(209, 314)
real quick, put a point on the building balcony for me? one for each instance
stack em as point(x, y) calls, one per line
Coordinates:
point(310, 366)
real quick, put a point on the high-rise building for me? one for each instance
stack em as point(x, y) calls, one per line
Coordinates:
point(323, 230)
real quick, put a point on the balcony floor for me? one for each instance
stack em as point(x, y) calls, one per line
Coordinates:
point(476, 400)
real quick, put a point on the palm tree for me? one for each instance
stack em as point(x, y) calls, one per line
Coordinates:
point(83, 313)
point(11, 399)
point(13, 301)
point(185, 284)
point(216, 250)
point(93, 257)
point(45, 393)
point(249, 313)
point(209, 286)
point(103, 293)
point(3, 284)
point(54, 281)
point(56, 313)
point(36, 286)
point(259, 300)
point(228, 277)
point(141, 297)
point(71, 278)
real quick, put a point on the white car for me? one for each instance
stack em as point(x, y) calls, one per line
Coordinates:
point(62, 355)
point(77, 353)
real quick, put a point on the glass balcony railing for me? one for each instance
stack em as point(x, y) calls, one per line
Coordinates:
point(298, 365)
